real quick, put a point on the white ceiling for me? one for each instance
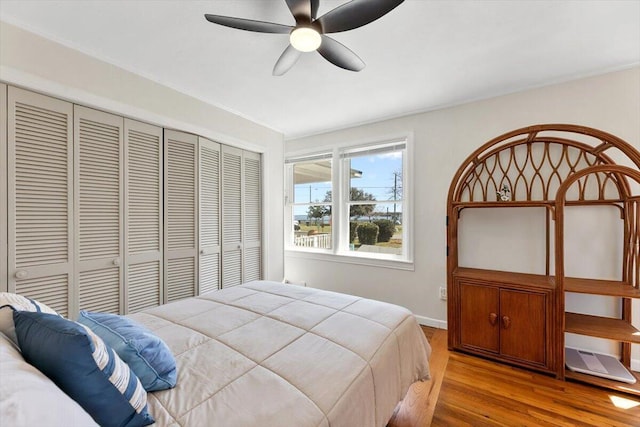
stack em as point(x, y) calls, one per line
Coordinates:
point(423, 55)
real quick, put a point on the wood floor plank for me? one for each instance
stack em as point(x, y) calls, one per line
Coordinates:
point(419, 404)
point(470, 391)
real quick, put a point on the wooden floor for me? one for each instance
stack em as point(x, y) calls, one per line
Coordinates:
point(470, 391)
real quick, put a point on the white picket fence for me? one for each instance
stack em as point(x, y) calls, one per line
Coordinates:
point(322, 241)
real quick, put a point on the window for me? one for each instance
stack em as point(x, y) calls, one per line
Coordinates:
point(351, 202)
point(311, 202)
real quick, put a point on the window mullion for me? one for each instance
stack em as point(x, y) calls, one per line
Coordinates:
point(336, 203)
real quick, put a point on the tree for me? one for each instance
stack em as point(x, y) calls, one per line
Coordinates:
point(361, 210)
point(356, 210)
point(318, 212)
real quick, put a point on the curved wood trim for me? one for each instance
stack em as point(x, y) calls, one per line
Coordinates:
point(621, 172)
point(530, 135)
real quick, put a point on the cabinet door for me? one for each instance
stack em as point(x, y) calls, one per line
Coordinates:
point(209, 216)
point(98, 171)
point(479, 310)
point(143, 215)
point(522, 318)
point(40, 198)
point(181, 218)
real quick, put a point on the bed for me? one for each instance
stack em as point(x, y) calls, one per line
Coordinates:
point(270, 354)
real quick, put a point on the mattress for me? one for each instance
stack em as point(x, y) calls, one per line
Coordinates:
point(270, 354)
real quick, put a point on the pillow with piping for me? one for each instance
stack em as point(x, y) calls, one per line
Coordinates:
point(145, 353)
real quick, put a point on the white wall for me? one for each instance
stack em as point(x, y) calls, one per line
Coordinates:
point(39, 64)
point(443, 139)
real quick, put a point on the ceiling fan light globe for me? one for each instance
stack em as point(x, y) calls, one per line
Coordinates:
point(305, 39)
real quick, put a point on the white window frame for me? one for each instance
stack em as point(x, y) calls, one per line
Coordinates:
point(291, 203)
point(340, 208)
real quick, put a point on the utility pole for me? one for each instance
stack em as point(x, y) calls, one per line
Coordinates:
point(395, 195)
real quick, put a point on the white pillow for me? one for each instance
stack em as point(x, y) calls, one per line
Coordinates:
point(28, 398)
point(19, 303)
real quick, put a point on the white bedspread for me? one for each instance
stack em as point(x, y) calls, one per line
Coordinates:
point(267, 354)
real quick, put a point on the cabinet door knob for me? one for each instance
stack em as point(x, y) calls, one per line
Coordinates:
point(506, 322)
point(21, 274)
point(493, 317)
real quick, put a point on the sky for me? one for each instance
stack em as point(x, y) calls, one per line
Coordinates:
point(377, 179)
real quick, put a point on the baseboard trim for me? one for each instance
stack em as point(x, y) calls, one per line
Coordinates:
point(434, 323)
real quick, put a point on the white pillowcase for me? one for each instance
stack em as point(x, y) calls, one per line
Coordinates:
point(19, 303)
point(28, 398)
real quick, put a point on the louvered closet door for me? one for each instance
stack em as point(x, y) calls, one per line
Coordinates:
point(3, 189)
point(231, 216)
point(181, 214)
point(98, 140)
point(40, 198)
point(209, 261)
point(252, 215)
point(143, 216)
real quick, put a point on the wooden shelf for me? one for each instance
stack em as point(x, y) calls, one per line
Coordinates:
point(603, 382)
point(530, 280)
point(601, 327)
point(512, 204)
point(601, 287)
point(531, 204)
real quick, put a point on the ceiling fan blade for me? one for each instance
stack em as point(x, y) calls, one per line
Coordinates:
point(355, 14)
point(249, 24)
point(314, 8)
point(340, 55)
point(287, 60)
point(301, 10)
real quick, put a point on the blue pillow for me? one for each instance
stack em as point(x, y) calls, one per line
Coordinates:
point(146, 354)
point(80, 363)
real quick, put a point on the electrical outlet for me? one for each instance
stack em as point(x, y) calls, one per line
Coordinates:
point(443, 294)
point(291, 282)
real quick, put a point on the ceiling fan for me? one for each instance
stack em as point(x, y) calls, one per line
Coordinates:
point(309, 32)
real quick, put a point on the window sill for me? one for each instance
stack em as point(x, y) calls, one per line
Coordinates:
point(351, 258)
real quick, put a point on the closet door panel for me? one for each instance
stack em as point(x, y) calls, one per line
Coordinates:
point(231, 216)
point(181, 215)
point(209, 261)
point(99, 209)
point(40, 198)
point(3, 189)
point(252, 216)
point(140, 293)
point(143, 215)
point(99, 290)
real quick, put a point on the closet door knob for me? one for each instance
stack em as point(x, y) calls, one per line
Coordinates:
point(506, 322)
point(202, 252)
point(21, 274)
point(493, 317)
point(116, 261)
